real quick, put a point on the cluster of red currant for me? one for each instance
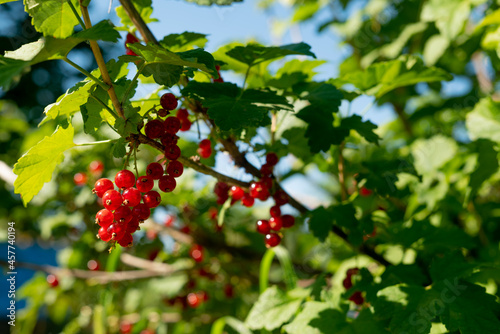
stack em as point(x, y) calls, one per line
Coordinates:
point(261, 190)
point(357, 297)
point(205, 148)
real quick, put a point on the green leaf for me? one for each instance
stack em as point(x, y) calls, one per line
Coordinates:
point(183, 42)
point(469, 309)
point(484, 120)
point(487, 165)
point(321, 94)
point(273, 309)
point(163, 74)
point(320, 132)
point(449, 16)
point(119, 149)
point(222, 211)
point(433, 153)
point(232, 108)
point(36, 166)
point(321, 223)
point(380, 78)
point(154, 54)
point(450, 266)
point(11, 71)
point(102, 31)
point(315, 318)
point(382, 175)
point(5, 1)
point(365, 129)
point(70, 102)
point(237, 325)
point(52, 17)
point(253, 54)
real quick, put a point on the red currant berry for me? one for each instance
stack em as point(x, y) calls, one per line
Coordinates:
point(167, 183)
point(169, 139)
point(365, 192)
point(212, 213)
point(123, 215)
point(104, 218)
point(196, 253)
point(126, 240)
point(357, 298)
point(129, 52)
point(172, 152)
point(124, 179)
point(168, 101)
point(145, 184)
point(185, 229)
point(193, 300)
point(152, 199)
point(237, 193)
point(272, 159)
point(182, 114)
point(141, 211)
point(229, 290)
point(175, 168)
point(163, 113)
point(263, 194)
point(205, 143)
point(103, 234)
point(275, 211)
point(185, 125)
point(93, 265)
point(172, 125)
point(255, 189)
point(352, 271)
point(280, 197)
point(52, 280)
point(154, 129)
point(272, 240)
point(131, 196)
point(131, 39)
point(101, 186)
point(154, 170)
point(221, 189)
point(205, 153)
point(169, 221)
point(96, 168)
point(247, 200)
point(222, 199)
point(80, 179)
point(267, 182)
point(203, 295)
point(263, 226)
point(347, 283)
point(133, 225)
point(288, 221)
point(275, 223)
point(112, 199)
point(266, 169)
point(117, 231)
point(125, 327)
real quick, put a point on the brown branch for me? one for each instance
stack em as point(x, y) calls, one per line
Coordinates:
point(343, 189)
point(139, 23)
point(196, 165)
point(404, 119)
point(101, 64)
point(97, 276)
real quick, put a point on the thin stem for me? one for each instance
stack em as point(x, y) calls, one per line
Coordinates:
point(139, 23)
point(104, 105)
point(87, 74)
point(273, 127)
point(131, 84)
point(101, 64)
point(247, 74)
point(343, 189)
point(95, 143)
point(135, 161)
point(76, 14)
